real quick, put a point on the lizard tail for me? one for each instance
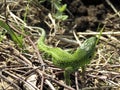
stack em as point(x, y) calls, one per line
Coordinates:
point(41, 41)
point(43, 35)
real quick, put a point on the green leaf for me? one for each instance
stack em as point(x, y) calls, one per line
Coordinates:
point(15, 37)
point(60, 16)
point(59, 6)
point(63, 8)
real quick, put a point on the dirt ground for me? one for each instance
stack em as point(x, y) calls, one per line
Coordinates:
point(86, 17)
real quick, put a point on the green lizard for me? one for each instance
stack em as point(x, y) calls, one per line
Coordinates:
point(67, 61)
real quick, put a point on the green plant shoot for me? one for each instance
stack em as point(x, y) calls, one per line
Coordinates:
point(15, 37)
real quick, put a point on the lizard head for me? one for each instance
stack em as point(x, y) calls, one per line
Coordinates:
point(89, 46)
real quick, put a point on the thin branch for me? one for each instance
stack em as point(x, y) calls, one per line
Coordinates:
point(114, 9)
point(96, 33)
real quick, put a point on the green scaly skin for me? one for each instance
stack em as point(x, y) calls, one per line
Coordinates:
point(67, 61)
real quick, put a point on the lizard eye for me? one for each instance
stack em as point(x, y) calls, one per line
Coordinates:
point(90, 56)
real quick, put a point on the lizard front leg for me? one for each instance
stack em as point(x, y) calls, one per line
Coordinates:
point(67, 73)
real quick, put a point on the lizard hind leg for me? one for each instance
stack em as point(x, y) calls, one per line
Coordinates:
point(67, 73)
